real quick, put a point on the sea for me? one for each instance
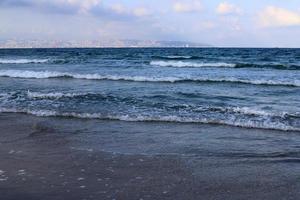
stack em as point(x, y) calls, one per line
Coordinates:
point(250, 88)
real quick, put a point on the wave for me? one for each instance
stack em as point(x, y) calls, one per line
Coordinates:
point(55, 95)
point(245, 111)
point(49, 74)
point(5, 96)
point(22, 61)
point(189, 64)
point(176, 57)
point(269, 66)
point(295, 83)
point(265, 124)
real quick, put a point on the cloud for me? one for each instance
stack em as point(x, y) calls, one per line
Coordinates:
point(81, 5)
point(94, 8)
point(133, 12)
point(273, 16)
point(187, 7)
point(118, 8)
point(55, 6)
point(141, 11)
point(226, 8)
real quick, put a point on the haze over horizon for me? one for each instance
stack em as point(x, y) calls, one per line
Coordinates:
point(234, 23)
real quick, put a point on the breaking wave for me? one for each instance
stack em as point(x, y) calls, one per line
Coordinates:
point(176, 57)
point(22, 61)
point(54, 95)
point(246, 123)
point(51, 74)
point(179, 63)
point(189, 64)
point(277, 66)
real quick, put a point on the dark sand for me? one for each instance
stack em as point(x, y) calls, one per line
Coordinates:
point(54, 158)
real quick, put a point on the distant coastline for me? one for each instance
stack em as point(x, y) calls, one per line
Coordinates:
point(12, 43)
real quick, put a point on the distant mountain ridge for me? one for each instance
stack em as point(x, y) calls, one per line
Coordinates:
point(12, 43)
point(141, 43)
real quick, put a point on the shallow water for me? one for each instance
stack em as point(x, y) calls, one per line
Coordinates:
point(55, 157)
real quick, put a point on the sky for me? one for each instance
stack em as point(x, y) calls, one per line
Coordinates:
point(229, 23)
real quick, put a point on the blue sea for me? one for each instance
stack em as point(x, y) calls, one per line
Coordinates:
point(250, 88)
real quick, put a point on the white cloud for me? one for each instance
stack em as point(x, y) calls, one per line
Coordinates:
point(82, 5)
point(276, 17)
point(140, 11)
point(226, 8)
point(118, 8)
point(137, 12)
point(95, 8)
point(185, 7)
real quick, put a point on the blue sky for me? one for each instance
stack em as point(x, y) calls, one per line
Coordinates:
point(266, 23)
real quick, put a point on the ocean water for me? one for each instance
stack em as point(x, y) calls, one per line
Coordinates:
point(251, 88)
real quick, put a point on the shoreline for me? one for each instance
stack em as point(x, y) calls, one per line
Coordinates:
point(65, 158)
point(93, 116)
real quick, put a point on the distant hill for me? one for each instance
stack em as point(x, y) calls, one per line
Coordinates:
point(12, 43)
point(141, 43)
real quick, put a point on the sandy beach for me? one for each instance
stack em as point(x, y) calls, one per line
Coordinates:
point(55, 158)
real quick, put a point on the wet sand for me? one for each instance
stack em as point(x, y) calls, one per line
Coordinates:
point(55, 158)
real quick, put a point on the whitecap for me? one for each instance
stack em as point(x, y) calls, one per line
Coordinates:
point(189, 64)
point(246, 123)
point(53, 74)
point(53, 95)
point(22, 61)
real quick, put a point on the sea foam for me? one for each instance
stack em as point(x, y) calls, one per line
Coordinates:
point(246, 123)
point(53, 95)
point(53, 74)
point(22, 61)
point(189, 64)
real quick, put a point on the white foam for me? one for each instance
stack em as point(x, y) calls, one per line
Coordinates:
point(251, 111)
point(125, 78)
point(49, 74)
point(189, 64)
point(52, 95)
point(53, 74)
point(262, 124)
point(294, 83)
point(22, 61)
point(178, 57)
point(30, 74)
point(40, 113)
